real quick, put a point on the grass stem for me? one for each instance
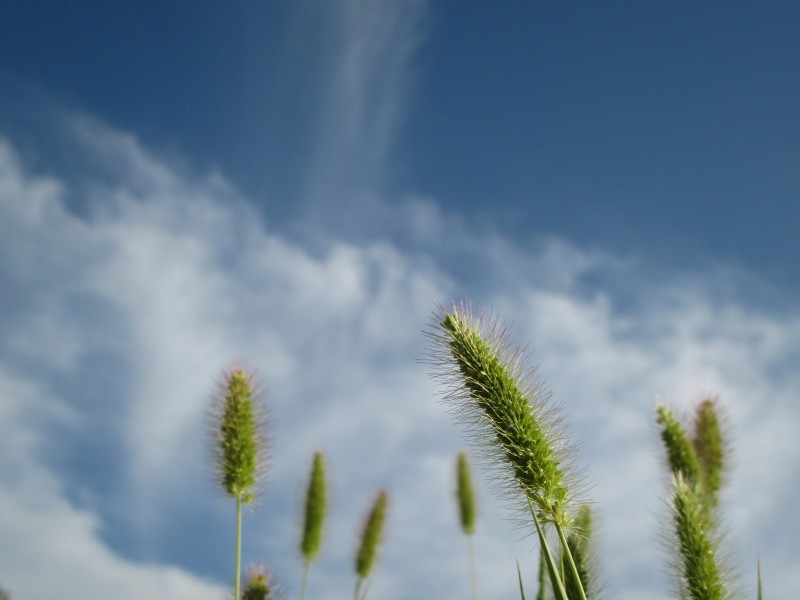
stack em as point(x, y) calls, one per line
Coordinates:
point(237, 577)
point(571, 561)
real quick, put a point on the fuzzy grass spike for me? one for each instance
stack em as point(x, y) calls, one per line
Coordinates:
point(681, 455)
point(240, 444)
point(314, 517)
point(467, 512)
point(371, 536)
point(487, 385)
point(258, 586)
point(710, 448)
point(701, 574)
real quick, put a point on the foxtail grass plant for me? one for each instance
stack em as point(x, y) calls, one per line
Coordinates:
point(314, 516)
point(517, 430)
point(371, 537)
point(240, 444)
point(697, 464)
point(467, 512)
point(491, 388)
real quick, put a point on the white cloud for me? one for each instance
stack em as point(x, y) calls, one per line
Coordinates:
point(180, 278)
point(50, 548)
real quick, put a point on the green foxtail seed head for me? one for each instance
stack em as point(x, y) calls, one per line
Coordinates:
point(258, 586)
point(239, 435)
point(701, 574)
point(466, 495)
point(314, 509)
point(371, 535)
point(488, 386)
point(710, 447)
point(681, 455)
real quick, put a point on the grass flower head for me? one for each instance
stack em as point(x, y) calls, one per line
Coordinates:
point(491, 390)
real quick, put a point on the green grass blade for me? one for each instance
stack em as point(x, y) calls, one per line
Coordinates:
point(578, 544)
point(521, 588)
point(760, 590)
point(575, 576)
point(558, 585)
point(542, 576)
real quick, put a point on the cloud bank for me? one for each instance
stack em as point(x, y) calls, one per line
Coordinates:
point(118, 317)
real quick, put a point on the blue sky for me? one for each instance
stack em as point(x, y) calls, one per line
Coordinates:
point(296, 185)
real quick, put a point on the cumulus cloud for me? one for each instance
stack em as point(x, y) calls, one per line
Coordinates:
point(124, 313)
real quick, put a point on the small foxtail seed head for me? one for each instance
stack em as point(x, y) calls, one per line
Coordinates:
point(371, 536)
point(466, 495)
point(701, 572)
point(314, 509)
point(257, 587)
point(239, 432)
point(681, 455)
point(711, 449)
point(488, 385)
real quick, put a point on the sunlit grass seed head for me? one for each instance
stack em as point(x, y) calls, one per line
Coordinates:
point(315, 508)
point(371, 536)
point(491, 389)
point(239, 434)
point(681, 455)
point(465, 494)
point(699, 562)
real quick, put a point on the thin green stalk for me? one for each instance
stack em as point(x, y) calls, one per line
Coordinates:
point(238, 546)
point(558, 585)
point(521, 589)
point(473, 570)
point(542, 576)
point(578, 545)
point(361, 581)
point(573, 568)
point(760, 591)
point(305, 580)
